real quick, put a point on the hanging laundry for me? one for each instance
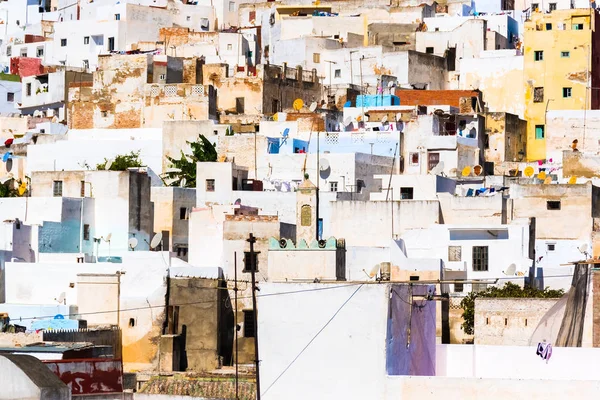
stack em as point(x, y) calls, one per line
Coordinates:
point(470, 193)
point(544, 350)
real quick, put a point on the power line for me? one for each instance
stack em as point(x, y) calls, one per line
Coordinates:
point(335, 286)
point(313, 339)
point(195, 302)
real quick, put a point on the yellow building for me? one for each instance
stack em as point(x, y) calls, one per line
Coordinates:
point(558, 75)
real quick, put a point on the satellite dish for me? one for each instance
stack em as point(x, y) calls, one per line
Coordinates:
point(384, 119)
point(583, 248)
point(511, 270)
point(156, 240)
point(61, 299)
point(298, 104)
point(286, 132)
point(398, 117)
point(313, 106)
point(182, 182)
point(22, 188)
point(108, 164)
point(466, 171)
point(542, 175)
point(9, 165)
point(573, 180)
point(529, 171)
point(374, 271)
point(276, 117)
point(133, 242)
point(238, 202)
point(453, 172)
point(323, 164)
point(438, 169)
point(347, 121)
point(391, 84)
point(108, 237)
point(477, 170)
point(548, 180)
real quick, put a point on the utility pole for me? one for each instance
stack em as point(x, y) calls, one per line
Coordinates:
point(330, 78)
point(235, 292)
point(351, 74)
point(362, 103)
point(251, 239)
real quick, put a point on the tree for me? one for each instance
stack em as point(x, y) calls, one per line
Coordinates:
point(509, 290)
point(185, 166)
point(122, 162)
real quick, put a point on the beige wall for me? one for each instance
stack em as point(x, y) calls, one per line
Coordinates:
point(576, 208)
point(302, 264)
point(96, 293)
point(506, 321)
point(369, 223)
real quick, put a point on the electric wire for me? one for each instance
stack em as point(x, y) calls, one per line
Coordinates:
point(335, 286)
point(312, 340)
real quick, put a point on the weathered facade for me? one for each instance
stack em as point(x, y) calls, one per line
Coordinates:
point(140, 91)
point(506, 139)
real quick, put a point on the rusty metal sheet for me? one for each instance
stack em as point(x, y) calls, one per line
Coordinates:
point(89, 376)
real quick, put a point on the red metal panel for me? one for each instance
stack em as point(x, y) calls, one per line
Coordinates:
point(89, 376)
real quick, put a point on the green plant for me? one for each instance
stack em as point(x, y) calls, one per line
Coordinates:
point(185, 166)
point(510, 290)
point(122, 162)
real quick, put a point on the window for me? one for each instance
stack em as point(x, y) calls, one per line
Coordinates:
point(131, 322)
point(565, 54)
point(552, 7)
point(539, 131)
point(82, 189)
point(188, 18)
point(86, 64)
point(117, 17)
point(538, 55)
point(248, 323)
point(454, 253)
point(333, 186)
point(360, 184)
point(577, 27)
point(104, 114)
point(566, 92)
point(8, 51)
point(229, 46)
point(162, 77)
point(535, 6)
point(210, 185)
point(480, 258)
point(251, 15)
point(86, 40)
point(505, 321)
point(24, 52)
point(538, 95)
point(338, 73)
point(183, 213)
point(550, 246)
point(57, 188)
point(433, 160)
point(413, 278)
point(63, 42)
point(414, 158)
point(316, 58)
point(548, 26)
point(239, 105)
point(39, 52)
point(406, 193)
point(248, 262)
point(111, 44)
point(86, 232)
point(459, 287)
point(553, 205)
point(231, 6)
point(10, 97)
